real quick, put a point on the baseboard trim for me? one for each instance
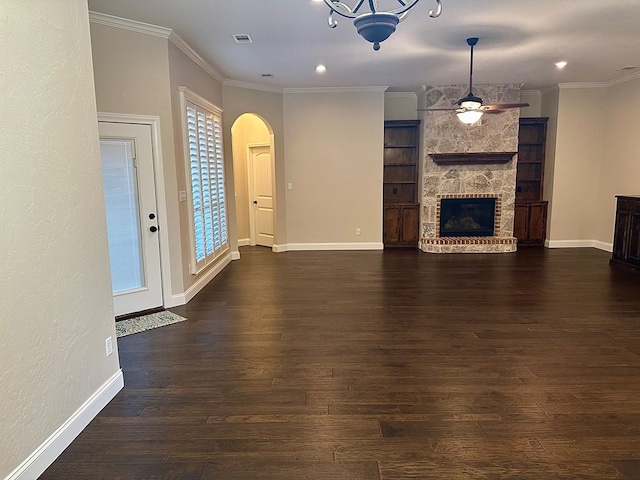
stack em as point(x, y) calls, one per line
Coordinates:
point(329, 246)
point(36, 463)
point(235, 255)
point(201, 282)
point(243, 242)
point(607, 247)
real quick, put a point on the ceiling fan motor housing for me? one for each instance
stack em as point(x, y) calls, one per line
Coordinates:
point(469, 101)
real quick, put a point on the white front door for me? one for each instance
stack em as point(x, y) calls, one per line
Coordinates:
point(132, 223)
point(261, 191)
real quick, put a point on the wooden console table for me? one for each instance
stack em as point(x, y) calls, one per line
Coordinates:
point(626, 238)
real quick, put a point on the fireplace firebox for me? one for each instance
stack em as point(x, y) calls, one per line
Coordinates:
point(467, 217)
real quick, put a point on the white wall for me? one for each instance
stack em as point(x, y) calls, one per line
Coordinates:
point(534, 99)
point(184, 72)
point(620, 164)
point(400, 106)
point(592, 155)
point(578, 153)
point(247, 129)
point(132, 76)
point(549, 109)
point(56, 306)
point(238, 100)
point(334, 152)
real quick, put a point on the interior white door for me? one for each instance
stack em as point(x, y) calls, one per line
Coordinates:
point(262, 194)
point(132, 223)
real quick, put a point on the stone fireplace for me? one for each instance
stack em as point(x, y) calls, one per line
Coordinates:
point(470, 169)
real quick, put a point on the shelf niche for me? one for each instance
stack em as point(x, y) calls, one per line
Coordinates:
point(481, 158)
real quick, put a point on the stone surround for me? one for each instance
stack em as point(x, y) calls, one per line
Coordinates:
point(444, 133)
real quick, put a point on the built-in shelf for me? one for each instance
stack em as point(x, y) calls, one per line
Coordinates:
point(480, 158)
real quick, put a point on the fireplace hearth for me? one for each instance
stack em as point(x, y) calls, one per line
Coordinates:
point(467, 217)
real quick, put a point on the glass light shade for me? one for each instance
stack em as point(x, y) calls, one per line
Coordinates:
point(469, 117)
point(470, 105)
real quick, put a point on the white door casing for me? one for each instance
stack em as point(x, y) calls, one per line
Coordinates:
point(261, 194)
point(132, 217)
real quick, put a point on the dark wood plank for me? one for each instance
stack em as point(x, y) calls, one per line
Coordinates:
point(382, 366)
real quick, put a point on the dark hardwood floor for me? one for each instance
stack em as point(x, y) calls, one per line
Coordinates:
point(382, 366)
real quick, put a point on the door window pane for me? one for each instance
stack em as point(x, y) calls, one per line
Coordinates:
point(123, 222)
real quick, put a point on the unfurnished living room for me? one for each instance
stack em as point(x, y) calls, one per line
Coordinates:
point(314, 239)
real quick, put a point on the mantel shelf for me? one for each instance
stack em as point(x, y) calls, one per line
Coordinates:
point(482, 158)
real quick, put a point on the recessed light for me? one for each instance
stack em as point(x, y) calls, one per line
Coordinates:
point(561, 65)
point(321, 69)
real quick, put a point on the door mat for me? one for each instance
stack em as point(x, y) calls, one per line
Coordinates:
point(146, 322)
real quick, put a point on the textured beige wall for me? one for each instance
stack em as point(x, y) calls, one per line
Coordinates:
point(268, 106)
point(56, 306)
point(620, 165)
point(185, 72)
point(247, 129)
point(132, 76)
point(400, 106)
point(576, 168)
point(549, 109)
point(534, 99)
point(334, 152)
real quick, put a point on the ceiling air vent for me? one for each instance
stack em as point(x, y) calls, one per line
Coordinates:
point(266, 75)
point(242, 38)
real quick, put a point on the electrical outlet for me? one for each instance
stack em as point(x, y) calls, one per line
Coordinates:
point(357, 232)
point(108, 343)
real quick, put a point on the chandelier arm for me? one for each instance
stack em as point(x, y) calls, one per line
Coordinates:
point(341, 9)
point(438, 10)
point(344, 10)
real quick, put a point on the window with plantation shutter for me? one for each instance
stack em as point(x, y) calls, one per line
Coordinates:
point(203, 130)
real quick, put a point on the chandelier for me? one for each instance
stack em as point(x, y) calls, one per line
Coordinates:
point(373, 24)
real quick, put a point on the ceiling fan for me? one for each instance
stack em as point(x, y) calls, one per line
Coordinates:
point(470, 108)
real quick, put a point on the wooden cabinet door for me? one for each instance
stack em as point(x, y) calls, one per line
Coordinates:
point(537, 222)
point(521, 222)
point(410, 224)
point(634, 240)
point(391, 225)
point(620, 235)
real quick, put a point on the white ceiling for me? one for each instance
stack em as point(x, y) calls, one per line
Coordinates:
point(519, 41)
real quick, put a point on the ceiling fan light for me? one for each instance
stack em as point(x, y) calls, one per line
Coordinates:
point(469, 117)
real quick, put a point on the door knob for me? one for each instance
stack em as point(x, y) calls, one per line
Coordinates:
point(152, 216)
point(255, 202)
point(153, 229)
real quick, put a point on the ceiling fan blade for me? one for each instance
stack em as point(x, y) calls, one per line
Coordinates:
point(437, 109)
point(503, 106)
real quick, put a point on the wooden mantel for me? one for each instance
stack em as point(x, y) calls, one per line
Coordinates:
point(481, 158)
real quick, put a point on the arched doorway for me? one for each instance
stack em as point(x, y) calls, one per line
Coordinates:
point(254, 180)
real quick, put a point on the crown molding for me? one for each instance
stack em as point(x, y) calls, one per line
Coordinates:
point(569, 86)
point(131, 25)
point(193, 55)
point(623, 79)
point(610, 83)
point(400, 94)
point(251, 86)
point(336, 90)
